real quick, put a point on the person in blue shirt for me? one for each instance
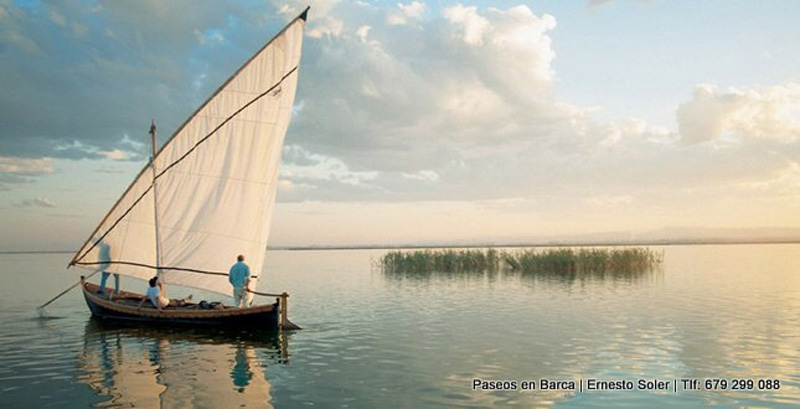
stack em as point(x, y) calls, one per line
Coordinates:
point(239, 278)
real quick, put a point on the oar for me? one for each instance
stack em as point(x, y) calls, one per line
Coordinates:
point(285, 323)
point(41, 307)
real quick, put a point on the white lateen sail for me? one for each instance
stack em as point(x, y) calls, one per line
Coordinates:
point(215, 178)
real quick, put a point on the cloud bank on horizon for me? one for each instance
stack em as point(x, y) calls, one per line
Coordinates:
point(398, 103)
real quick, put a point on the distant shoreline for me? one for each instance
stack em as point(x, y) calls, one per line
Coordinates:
point(687, 242)
point(677, 242)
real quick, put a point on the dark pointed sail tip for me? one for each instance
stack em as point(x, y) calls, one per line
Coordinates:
point(304, 14)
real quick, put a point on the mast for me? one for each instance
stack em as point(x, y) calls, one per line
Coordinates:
point(155, 205)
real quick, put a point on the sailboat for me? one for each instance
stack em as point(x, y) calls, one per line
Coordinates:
point(205, 197)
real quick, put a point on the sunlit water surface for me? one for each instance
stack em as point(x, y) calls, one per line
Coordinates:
point(373, 340)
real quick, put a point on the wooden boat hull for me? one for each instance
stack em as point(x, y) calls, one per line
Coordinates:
point(124, 307)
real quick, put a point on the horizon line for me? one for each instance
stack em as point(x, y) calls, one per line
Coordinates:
point(609, 243)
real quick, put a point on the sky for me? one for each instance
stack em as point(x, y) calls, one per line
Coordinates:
point(420, 121)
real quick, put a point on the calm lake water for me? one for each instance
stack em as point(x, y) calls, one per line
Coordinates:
point(372, 340)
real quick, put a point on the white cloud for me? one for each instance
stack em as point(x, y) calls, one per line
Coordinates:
point(473, 25)
point(288, 186)
point(362, 33)
point(406, 13)
point(210, 37)
point(768, 112)
point(77, 150)
point(305, 165)
point(57, 18)
point(118, 154)
point(429, 91)
point(598, 3)
point(37, 202)
point(519, 31)
point(634, 129)
point(423, 175)
point(593, 4)
point(323, 20)
point(326, 27)
point(414, 10)
point(472, 100)
point(288, 10)
point(395, 19)
point(27, 167)
point(784, 183)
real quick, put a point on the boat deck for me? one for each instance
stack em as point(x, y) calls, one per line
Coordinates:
point(126, 306)
point(133, 300)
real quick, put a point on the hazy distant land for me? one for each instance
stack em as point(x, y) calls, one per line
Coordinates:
point(660, 237)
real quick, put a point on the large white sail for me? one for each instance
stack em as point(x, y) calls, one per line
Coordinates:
point(216, 182)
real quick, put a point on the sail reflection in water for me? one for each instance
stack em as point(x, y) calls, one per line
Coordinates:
point(158, 367)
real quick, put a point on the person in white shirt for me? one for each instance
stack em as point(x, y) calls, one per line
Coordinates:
point(158, 300)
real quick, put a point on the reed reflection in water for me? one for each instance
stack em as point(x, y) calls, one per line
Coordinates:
point(162, 367)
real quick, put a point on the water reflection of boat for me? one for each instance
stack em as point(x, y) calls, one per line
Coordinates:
point(159, 367)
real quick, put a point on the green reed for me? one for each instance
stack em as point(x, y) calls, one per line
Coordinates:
point(585, 260)
point(591, 261)
point(447, 260)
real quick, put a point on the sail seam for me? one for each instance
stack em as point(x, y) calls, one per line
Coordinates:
point(228, 119)
point(211, 176)
point(252, 121)
point(240, 92)
point(186, 154)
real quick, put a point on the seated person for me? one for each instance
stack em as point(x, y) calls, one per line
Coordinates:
point(159, 301)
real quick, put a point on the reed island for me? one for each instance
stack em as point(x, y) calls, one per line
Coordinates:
point(559, 261)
